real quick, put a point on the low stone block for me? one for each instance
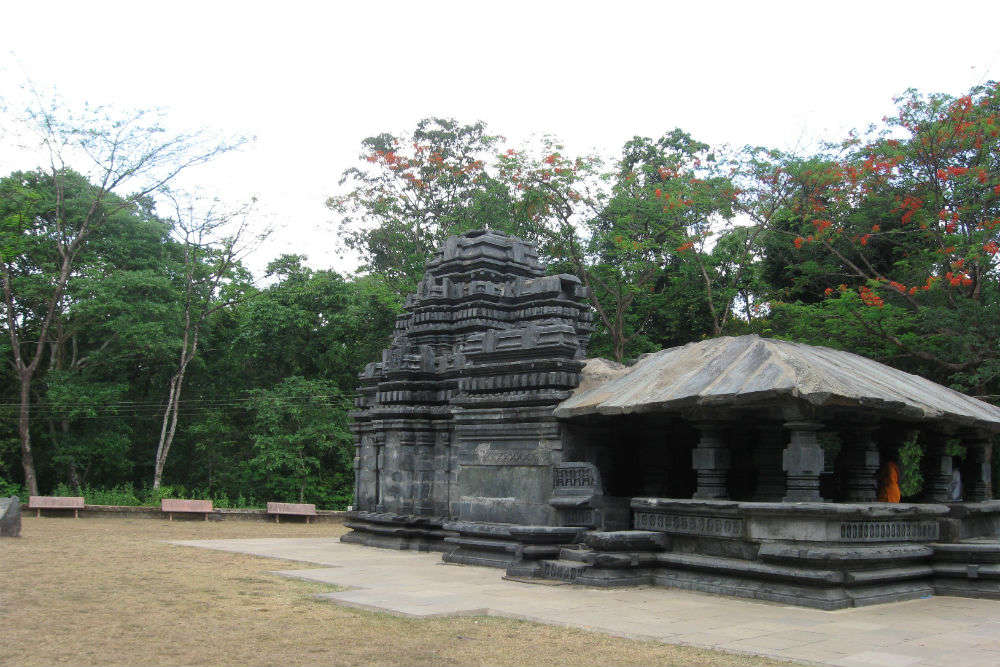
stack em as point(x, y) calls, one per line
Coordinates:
point(627, 540)
point(10, 517)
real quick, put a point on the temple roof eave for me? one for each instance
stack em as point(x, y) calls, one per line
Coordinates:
point(749, 372)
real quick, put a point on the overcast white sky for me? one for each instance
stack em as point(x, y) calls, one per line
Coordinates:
point(310, 82)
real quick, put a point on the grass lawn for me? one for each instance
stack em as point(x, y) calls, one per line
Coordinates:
point(110, 592)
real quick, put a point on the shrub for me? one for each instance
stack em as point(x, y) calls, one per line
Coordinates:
point(8, 489)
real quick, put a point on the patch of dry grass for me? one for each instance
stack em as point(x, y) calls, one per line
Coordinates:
point(110, 592)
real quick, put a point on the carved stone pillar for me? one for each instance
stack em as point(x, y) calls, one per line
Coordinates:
point(937, 470)
point(767, 457)
point(861, 458)
point(979, 486)
point(712, 460)
point(802, 462)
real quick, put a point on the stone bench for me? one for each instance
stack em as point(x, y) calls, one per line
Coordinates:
point(291, 509)
point(39, 503)
point(180, 506)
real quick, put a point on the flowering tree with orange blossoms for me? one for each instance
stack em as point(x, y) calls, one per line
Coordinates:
point(649, 244)
point(409, 192)
point(639, 234)
point(904, 227)
point(446, 178)
point(640, 242)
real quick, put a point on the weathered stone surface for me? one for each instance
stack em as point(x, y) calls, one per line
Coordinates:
point(748, 370)
point(579, 500)
point(505, 545)
point(626, 540)
point(10, 517)
point(968, 569)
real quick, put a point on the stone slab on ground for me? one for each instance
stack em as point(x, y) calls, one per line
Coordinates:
point(933, 632)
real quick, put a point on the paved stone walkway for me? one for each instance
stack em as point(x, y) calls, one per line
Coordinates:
point(938, 631)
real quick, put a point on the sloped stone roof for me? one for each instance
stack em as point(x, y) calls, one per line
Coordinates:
point(750, 370)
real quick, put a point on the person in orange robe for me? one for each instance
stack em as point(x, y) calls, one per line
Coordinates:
point(888, 491)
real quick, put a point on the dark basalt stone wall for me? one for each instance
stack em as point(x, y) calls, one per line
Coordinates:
point(455, 421)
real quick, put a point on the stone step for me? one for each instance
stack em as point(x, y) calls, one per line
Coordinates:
point(969, 551)
point(562, 570)
point(573, 554)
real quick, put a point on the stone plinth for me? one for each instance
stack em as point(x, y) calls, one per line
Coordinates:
point(968, 569)
point(396, 531)
point(517, 548)
point(823, 555)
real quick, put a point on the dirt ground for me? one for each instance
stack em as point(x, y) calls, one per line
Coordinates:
point(111, 592)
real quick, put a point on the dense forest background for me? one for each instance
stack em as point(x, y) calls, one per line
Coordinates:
point(142, 359)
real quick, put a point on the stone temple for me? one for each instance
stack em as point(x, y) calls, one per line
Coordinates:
point(744, 466)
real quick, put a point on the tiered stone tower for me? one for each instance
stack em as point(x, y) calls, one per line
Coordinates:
point(455, 422)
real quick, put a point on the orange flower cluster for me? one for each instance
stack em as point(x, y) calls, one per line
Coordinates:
point(688, 245)
point(911, 205)
point(870, 298)
point(951, 172)
point(821, 225)
point(958, 278)
point(991, 248)
point(413, 179)
point(390, 159)
point(875, 166)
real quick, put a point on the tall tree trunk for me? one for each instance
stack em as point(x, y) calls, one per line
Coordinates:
point(169, 426)
point(23, 429)
point(74, 473)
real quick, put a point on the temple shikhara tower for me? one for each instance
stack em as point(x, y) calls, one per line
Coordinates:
point(744, 466)
point(456, 419)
